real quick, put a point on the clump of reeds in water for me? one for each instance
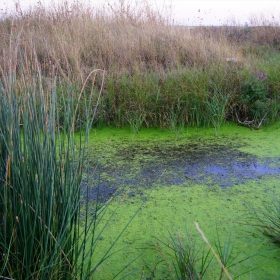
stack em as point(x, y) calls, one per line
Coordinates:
point(42, 162)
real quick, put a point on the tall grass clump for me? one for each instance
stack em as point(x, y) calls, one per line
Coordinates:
point(47, 222)
point(216, 109)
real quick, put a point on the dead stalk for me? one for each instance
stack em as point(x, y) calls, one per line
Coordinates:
point(213, 251)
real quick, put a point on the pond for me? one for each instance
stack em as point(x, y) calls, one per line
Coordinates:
point(198, 177)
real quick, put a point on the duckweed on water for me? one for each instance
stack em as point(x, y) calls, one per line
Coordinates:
point(148, 166)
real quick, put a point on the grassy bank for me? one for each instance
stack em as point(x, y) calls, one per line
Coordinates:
point(157, 74)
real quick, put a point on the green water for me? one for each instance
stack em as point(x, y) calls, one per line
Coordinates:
point(164, 207)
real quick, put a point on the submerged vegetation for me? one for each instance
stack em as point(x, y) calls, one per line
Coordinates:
point(71, 68)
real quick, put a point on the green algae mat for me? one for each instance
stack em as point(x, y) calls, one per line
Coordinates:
point(160, 185)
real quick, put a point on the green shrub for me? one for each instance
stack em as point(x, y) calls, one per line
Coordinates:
point(254, 96)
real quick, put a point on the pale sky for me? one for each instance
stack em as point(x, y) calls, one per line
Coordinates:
point(191, 12)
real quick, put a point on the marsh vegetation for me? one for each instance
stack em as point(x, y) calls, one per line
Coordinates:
point(71, 71)
point(157, 74)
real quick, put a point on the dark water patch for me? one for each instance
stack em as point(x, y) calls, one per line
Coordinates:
point(227, 173)
point(101, 191)
point(143, 165)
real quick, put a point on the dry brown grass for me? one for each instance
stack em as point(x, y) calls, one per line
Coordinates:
point(74, 39)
